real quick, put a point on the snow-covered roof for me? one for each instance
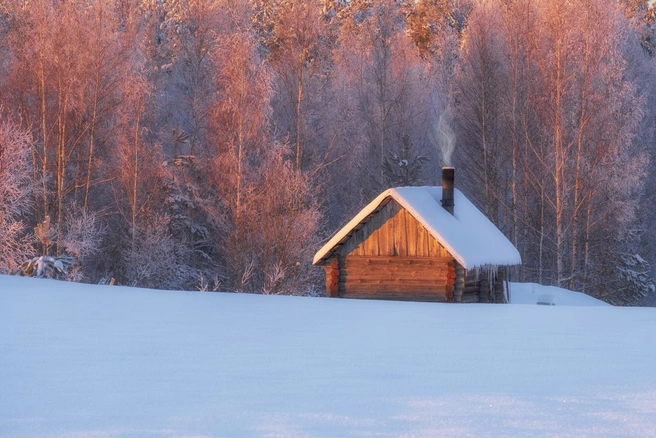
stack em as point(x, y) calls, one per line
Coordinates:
point(470, 237)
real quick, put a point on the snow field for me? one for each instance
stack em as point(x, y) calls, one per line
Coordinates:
point(80, 360)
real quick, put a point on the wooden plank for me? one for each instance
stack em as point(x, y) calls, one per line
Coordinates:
point(400, 235)
point(434, 247)
point(441, 252)
point(392, 224)
point(385, 246)
point(361, 237)
point(422, 241)
point(411, 225)
point(371, 244)
point(390, 248)
point(358, 249)
point(374, 231)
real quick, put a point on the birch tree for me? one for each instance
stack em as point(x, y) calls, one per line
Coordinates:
point(299, 55)
point(569, 106)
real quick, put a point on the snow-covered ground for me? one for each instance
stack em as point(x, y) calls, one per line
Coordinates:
point(79, 360)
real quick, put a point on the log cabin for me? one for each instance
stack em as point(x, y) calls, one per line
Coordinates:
point(419, 244)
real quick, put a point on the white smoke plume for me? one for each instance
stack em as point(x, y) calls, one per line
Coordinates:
point(446, 138)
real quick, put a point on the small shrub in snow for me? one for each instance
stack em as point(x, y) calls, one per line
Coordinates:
point(46, 267)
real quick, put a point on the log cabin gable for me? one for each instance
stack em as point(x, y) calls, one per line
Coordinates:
point(392, 231)
point(467, 235)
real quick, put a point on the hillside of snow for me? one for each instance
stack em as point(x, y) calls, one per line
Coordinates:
point(80, 360)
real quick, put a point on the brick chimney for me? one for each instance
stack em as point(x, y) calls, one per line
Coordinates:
point(448, 175)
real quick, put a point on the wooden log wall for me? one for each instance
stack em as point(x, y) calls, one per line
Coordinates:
point(407, 278)
point(500, 296)
point(477, 288)
point(459, 283)
point(471, 290)
point(332, 277)
point(450, 281)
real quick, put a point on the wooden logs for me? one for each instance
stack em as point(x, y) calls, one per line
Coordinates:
point(459, 283)
point(393, 277)
point(500, 296)
point(411, 278)
point(332, 278)
point(469, 298)
point(450, 281)
point(484, 290)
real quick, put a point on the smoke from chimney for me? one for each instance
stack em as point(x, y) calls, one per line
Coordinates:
point(445, 138)
point(448, 176)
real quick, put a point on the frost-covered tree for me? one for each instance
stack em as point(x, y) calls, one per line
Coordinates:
point(299, 55)
point(569, 102)
point(281, 216)
point(154, 260)
point(478, 88)
point(642, 14)
point(404, 168)
point(81, 240)
point(188, 32)
point(387, 87)
point(16, 200)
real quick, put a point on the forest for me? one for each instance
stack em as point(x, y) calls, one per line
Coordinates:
point(215, 144)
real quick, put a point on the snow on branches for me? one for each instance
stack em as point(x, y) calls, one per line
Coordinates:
point(46, 267)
